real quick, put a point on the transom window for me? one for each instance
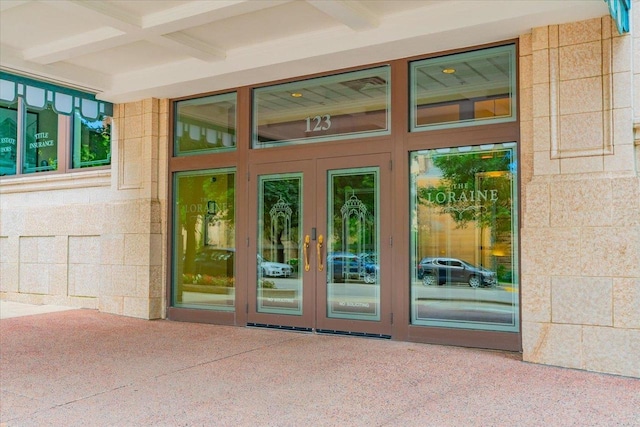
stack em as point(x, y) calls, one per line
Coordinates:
point(47, 128)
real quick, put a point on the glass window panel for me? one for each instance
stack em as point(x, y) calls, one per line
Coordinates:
point(353, 246)
point(205, 125)
point(91, 142)
point(464, 238)
point(481, 83)
point(349, 105)
point(204, 240)
point(8, 138)
point(41, 141)
point(279, 286)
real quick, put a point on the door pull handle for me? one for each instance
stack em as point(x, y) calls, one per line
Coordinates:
point(305, 247)
point(319, 249)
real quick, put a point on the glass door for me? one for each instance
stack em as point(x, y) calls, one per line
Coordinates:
point(322, 245)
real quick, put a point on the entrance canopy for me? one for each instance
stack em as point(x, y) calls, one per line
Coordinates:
point(131, 50)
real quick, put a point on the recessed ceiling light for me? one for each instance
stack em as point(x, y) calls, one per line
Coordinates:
point(449, 70)
point(296, 95)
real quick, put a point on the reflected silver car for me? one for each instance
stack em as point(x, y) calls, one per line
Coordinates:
point(274, 269)
point(438, 271)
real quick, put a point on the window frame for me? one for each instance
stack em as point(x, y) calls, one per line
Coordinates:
point(75, 102)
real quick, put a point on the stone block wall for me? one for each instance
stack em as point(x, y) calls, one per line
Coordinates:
point(93, 239)
point(580, 236)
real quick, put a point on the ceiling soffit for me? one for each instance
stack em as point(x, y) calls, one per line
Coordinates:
point(130, 50)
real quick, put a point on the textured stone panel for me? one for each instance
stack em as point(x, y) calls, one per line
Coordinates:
point(626, 202)
point(541, 100)
point(581, 132)
point(610, 251)
point(84, 250)
point(9, 249)
point(621, 52)
point(551, 251)
point(538, 206)
point(581, 96)
point(124, 280)
point(113, 304)
point(581, 202)
point(130, 162)
point(34, 278)
point(9, 277)
point(536, 298)
point(626, 303)
point(136, 249)
point(581, 165)
point(136, 307)
point(551, 344)
point(582, 300)
point(621, 93)
point(580, 61)
point(540, 38)
point(544, 165)
point(84, 279)
point(112, 249)
point(580, 32)
point(599, 355)
point(621, 161)
point(133, 108)
point(539, 63)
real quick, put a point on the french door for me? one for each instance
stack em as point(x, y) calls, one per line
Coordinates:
point(322, 245)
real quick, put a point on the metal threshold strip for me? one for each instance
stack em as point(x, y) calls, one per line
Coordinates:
point(318, 331)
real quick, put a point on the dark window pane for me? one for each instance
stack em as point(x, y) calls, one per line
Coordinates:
point(8, 138)
point(464, 89)
point(41, 141)
point(464, 211)
point(204, 240)
point(349, 105)
point(205, 125)
point(91, 142)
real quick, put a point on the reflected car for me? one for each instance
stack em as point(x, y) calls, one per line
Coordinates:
point(438, 271)
point(215, 261)
point(343, 266)
point(369, 268)
point(273, 269)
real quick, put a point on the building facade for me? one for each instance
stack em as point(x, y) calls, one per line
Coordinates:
point(484, 195)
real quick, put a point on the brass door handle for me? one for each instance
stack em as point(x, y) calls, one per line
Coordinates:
point(319, 249)
point(305, 247)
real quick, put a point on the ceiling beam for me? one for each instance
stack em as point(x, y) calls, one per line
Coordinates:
point(160, 28)
point(350, 13)
point(10, 4)
point(186, 45)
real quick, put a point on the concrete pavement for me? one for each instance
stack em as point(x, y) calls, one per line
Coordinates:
point(85, 368)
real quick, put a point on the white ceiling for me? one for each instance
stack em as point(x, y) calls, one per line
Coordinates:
point(126, 50)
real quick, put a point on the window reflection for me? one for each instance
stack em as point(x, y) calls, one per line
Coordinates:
point(348, 105)
point(41, 148)
point(8, 138)
point(461, 89)
point(204, 240)
point(464, 240)
point(205, 124)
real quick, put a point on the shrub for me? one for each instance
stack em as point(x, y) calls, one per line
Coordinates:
point(267, 284)
point(222, 281)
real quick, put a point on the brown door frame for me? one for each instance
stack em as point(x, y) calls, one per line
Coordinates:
point(315, 216)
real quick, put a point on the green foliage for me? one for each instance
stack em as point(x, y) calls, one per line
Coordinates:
point(221, 281)
point(473, 172)
point(95, 144)
point(267, 284)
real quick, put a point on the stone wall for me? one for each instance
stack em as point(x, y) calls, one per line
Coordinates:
point(93, 239)
point(580, 234)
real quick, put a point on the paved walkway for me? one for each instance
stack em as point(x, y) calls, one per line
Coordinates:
point(84, 368)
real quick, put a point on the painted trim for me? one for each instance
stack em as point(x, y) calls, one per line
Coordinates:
point(620, 11)
point(63, 100)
